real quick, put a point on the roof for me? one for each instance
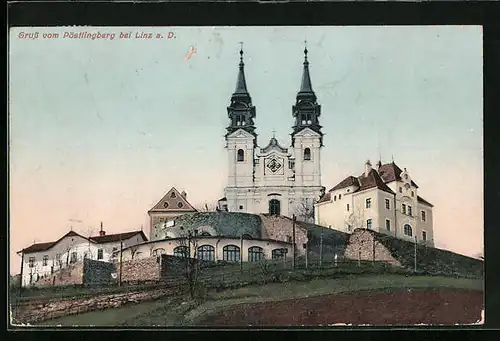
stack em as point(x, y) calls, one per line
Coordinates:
point(222, 199)
point(229, 224)
point(423, 201)
point(39, 247)
point(173, 201)
point(111, 238)
point(326, 197)
point(372, 180)
point(391, 172)
point(347, 182)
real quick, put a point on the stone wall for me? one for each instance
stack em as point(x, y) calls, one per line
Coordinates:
point(38, 311)
point(71, 275)
point(144, 269)
point(362, 245)
point(281, 228)
point(97, 272)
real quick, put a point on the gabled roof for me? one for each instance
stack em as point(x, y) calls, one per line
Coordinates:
point(326, 197)
point(111, 238)
point(391, 172)
point(39, 247)
point(423, 201)
point(347, 182)
point(173, 201)
point(373, 180)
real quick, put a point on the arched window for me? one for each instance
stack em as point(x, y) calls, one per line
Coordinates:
point(241, 155)
point(307, 154)
point(407, 230)
point(255, 254)
point(206, 252)
point(274, 207)
point(247, 236)
point(231, 253)
point(181, 251)
point(279, 253)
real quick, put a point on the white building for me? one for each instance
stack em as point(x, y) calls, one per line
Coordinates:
point(273, 179)
point(42, 259)
point(385, 200)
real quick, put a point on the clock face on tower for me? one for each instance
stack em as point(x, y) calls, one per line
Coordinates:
point(274, 165)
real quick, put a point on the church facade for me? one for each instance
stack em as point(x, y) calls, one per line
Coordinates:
point(273, 179)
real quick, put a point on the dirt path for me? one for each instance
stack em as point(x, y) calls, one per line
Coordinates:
point(439, 306)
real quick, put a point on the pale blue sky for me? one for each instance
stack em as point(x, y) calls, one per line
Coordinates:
point(100, 130)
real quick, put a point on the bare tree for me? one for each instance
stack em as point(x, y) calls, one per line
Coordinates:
point(189, 244)
point(304, 210)
point(356, 220)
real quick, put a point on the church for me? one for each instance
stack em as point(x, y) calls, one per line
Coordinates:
point(274, 179)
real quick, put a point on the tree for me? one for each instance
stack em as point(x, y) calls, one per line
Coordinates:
point(304, 210)
point(189, 241)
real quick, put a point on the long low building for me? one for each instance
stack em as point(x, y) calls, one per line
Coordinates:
point(212, 248)
point(43, 259)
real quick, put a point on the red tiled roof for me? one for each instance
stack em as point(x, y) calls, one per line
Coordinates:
point(38, 247)
point(373, 180)
point(347, 182)
point(423, 201)
point(111, 238)
point(391, 172)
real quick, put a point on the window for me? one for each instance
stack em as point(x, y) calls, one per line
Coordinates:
point(279, 253)
point(231, 253)
point(387, 224)
point(400, 190)
point(181, 251)
point(409, 210)
point(403, 208)
point(305, 119)
point(74, 257)
point(369, 224)
point(180, 204)
point(241, 155)
point(173, 195)
point(291, 164)
point(340, 196)
point(347, 207)
point(255, 254)
point(165, 204)
point(368, 202)
point(58, 256)
point(307, 154)
point(349, 227)
point(412, 193)
point(423, 215)
point(274, 207)
point(158, 252)
point(206, 252)
point(100, 254)
point(387, 204)
point(288, 239)
point(424, 236)
point(241, 207)
point(407, 230)
point(334, 198)
point(45, 260)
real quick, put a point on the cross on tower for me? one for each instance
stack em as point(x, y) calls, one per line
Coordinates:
point(241, 45)
point(274, 133)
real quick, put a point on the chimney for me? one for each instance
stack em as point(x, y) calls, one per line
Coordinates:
point(368, 167)
point(102, 232)
point(379, 164)
point(184, 194)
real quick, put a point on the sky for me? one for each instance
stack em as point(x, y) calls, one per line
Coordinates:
point(101, 129)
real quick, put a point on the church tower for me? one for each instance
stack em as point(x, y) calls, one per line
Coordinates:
point(241, 140)
point(307, 138)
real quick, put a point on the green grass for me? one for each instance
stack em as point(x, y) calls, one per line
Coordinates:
point(181, 311)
